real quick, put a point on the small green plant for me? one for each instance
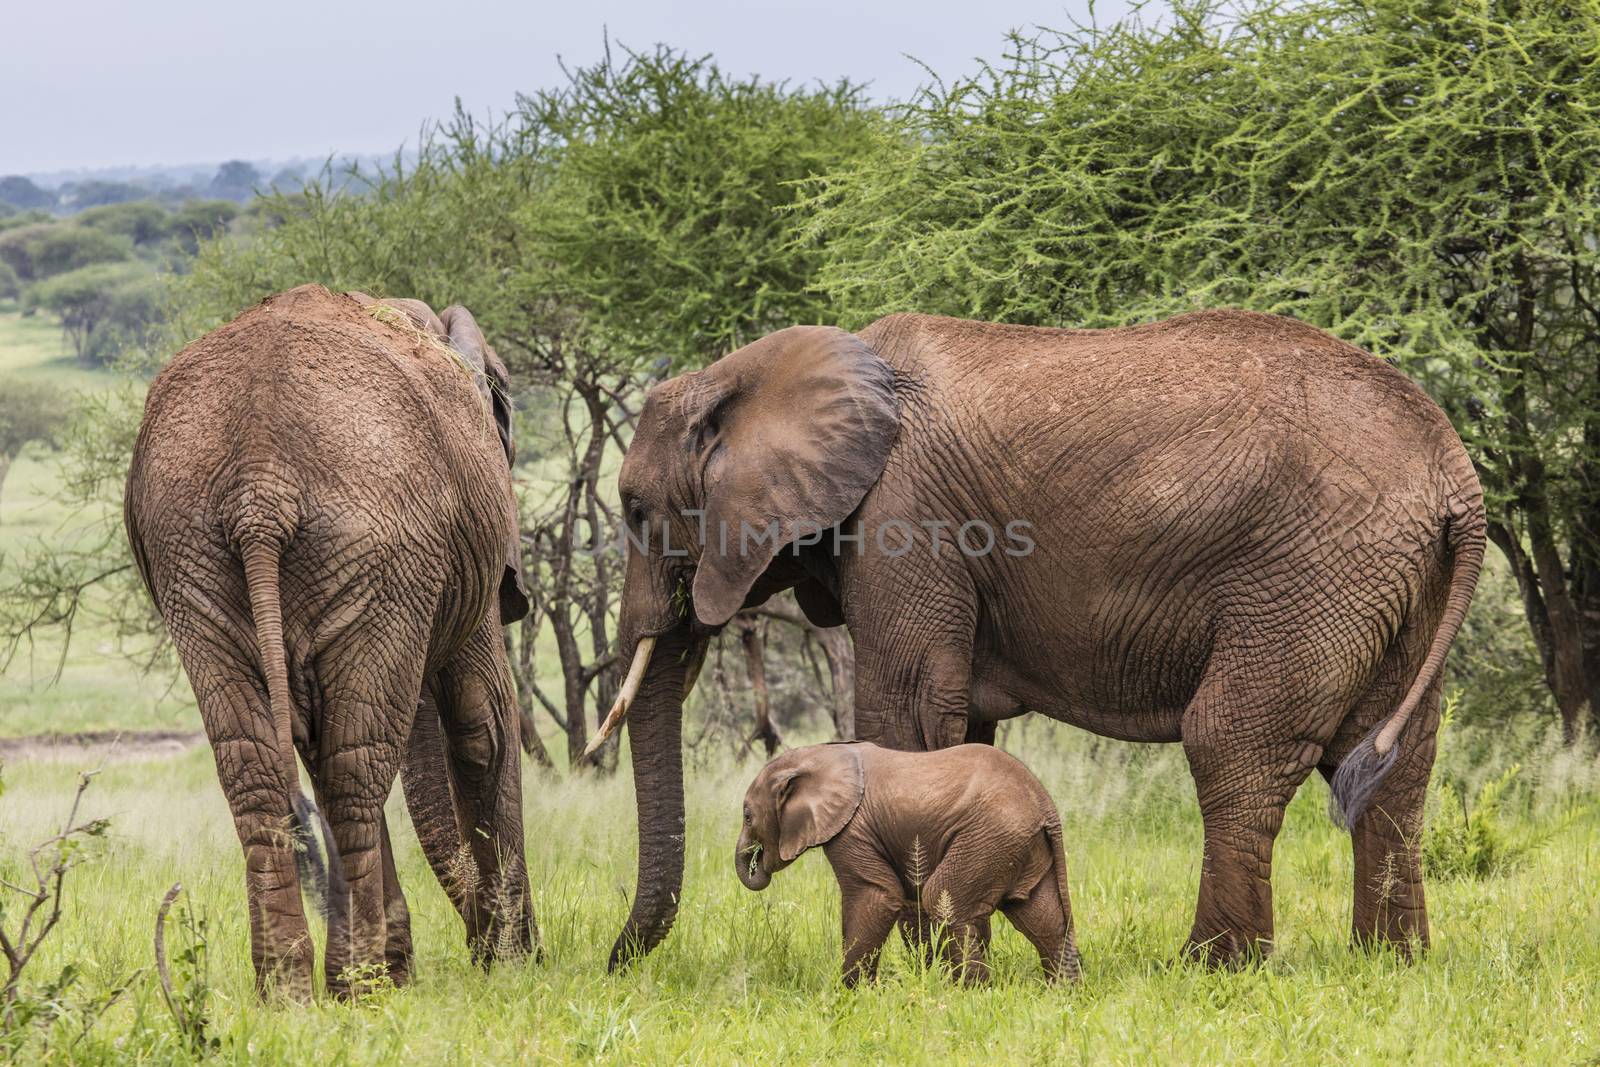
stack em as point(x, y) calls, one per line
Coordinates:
point(366, 980)
point(1471, 842)
point(30, 908)
point(186, 979)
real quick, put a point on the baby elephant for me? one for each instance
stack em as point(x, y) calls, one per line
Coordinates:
point(922, 839)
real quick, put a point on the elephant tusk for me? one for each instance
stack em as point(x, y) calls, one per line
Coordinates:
point(630, 690)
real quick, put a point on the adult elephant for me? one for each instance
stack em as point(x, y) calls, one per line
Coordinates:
point(1227, 529)
point(320, 505)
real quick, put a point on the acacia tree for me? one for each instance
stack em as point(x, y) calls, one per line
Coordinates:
point(29, 411)
point(1421, 177)
point(666, 239)
point(632, 222)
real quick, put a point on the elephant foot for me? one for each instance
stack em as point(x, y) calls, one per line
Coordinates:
point(1407, 944)
point(286, 977)
point(399, 970)
point(1226, 950)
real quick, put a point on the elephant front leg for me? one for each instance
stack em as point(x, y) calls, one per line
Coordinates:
point(914, 660)
point(869, 916)
point(480, 719)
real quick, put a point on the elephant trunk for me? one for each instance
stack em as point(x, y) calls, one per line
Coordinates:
point(747, 862)
point(655, 740)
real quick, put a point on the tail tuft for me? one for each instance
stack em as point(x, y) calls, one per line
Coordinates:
point(321, 878)
point(1358, 778)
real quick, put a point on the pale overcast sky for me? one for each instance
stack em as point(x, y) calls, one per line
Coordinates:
point(98, 83)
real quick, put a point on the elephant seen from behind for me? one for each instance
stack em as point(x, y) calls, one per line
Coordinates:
point(320, 504)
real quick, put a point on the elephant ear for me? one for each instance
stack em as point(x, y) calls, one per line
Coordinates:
point(788, 433)
point(494, 384)
point(818, 796)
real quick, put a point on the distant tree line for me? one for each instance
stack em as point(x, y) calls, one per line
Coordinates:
point(236, 180)
point(102, 272)
point(1420, 177)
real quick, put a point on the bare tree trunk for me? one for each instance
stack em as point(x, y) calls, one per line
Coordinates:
point(1542, 565)
point(521, 660)
point(840, 652)
point(749, 627)
point(604, 671)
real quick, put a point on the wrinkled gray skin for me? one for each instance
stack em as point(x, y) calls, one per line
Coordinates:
point(931, 841)
point(1249, 538)
point(320, 504)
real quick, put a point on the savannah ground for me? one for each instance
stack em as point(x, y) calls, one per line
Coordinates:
point(1513, 976)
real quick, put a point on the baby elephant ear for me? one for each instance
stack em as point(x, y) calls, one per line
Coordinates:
point(821, 796)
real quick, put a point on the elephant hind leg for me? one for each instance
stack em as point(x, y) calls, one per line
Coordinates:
point(1252, 734)
point(480, 719)
point(368, 704)
point(1046, 921)
point(1389, 907)
point(239, 726)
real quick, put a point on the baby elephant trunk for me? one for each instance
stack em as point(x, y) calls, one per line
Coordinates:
point(747, 862)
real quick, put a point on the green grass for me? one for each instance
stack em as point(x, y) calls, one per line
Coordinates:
point(97, 689)
point(32, 347)
point(1514, 975)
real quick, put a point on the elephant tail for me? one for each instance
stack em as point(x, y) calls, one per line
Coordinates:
point(1070, 967)
point(324, 880)
point(1363, 770)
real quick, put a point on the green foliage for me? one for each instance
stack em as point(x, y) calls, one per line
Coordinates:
point(141, 221)
point(1471, 843)
point(663, 215)
point(31, 907)
point(200, 220)
point(1420, 177)
point(10, 284)
point(86, 194)
point(104, 307)
point(1494, 666)
point(23, 218)
point(234, 180)
point(17, 245)
point(67, 247)
point(186, 986)
point(22, 193)
point(29, 411)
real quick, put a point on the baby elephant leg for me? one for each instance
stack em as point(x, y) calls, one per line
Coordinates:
point(1046, 921)
point(961, 921)
point(869, 916)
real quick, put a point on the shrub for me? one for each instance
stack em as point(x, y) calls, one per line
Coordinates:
point(119, 297)
point(66, 247)
point(1462, 842)
point(140, 221)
